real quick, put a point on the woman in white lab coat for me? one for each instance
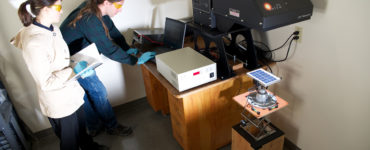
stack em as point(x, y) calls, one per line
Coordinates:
point(47, 58)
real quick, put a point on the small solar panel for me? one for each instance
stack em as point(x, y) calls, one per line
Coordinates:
point(263, 77)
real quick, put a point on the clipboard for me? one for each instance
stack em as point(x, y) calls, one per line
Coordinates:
point(91, 55)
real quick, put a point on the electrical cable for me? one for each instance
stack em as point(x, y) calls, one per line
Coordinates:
point(295, 36)
point(268, 66)
point(287, 54)
point(283, 44)
point(263, 44)
point(296, 33)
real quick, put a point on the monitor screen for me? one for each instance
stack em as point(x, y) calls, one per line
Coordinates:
point(174, 33)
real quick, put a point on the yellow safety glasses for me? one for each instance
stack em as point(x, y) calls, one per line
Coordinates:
point(118, 6)
point(56, 7)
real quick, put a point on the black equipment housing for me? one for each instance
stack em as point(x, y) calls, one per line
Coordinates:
point(231, 17)
point(251, 13)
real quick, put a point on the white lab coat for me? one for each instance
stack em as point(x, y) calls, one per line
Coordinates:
point(47, 58)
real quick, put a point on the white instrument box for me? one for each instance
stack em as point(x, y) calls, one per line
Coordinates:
point(185, 68)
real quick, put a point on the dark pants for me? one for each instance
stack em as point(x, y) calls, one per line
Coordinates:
point(72, 132)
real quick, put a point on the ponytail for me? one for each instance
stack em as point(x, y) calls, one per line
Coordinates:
point(24, 15)
point(92, 8)
point(35, 8)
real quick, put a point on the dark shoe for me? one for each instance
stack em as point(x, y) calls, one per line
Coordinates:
point(93, 133)
point(103, 147)
point(120, 130)
point(93, 146)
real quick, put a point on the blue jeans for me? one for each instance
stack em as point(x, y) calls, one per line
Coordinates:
point(98, 110)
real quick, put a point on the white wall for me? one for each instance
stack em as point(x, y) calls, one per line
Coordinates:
point(326, 78)
point(123, 82)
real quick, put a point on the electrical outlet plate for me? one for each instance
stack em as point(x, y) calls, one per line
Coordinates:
point(300, 29)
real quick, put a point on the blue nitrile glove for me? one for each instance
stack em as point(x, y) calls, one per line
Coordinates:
point(145, 57)
point(132, 51)
point(81, 66)
point(87, 73)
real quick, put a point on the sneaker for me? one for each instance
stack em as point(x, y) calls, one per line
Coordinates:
point(94, 146)
point(120, 130)
point(93, 133)
point(102, 147)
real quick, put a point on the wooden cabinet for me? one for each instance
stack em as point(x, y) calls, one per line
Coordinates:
point(201, 117)
point(156, 93)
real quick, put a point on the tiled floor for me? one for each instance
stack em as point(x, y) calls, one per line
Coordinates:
point(152, 130)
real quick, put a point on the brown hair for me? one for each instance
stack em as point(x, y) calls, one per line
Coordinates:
point(36, 6)
point(92, 8)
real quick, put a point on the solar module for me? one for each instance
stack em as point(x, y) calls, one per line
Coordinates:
point(263, 77)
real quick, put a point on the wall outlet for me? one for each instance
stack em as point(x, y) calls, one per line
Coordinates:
point(300, 29)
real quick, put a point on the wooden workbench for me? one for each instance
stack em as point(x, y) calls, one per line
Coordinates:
point(201, 117)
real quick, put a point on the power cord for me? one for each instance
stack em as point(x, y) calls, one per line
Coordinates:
point(295, 36)
point(295, 33)
point(283, 44)
point(268, 66)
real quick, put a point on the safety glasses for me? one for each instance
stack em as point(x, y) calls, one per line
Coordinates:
point(56, 7)
point(117, 5)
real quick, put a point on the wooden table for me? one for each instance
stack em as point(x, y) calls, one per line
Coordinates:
point(201, 117)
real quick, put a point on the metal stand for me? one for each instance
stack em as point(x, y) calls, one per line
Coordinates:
point(210, 35)
point(247, 54)
point(257, 128)
point(257, 104)
point(245, 140)
point(262, 99)
point(255, 131)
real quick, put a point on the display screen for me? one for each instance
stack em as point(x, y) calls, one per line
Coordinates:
point(174, 33)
